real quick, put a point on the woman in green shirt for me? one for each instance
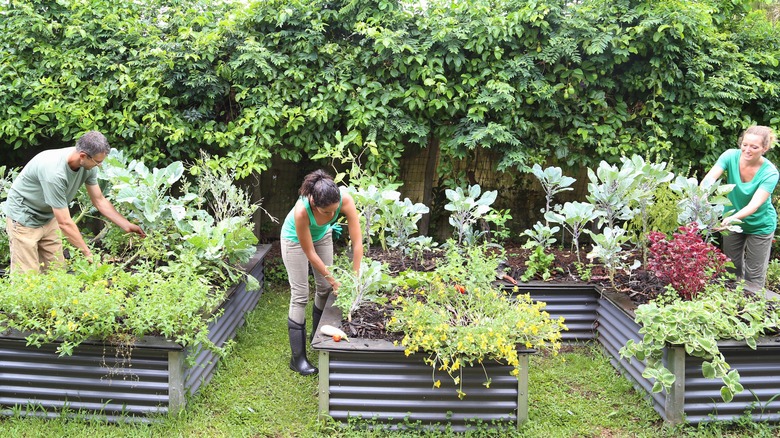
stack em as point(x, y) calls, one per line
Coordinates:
point(306, 239)
point(754, 178)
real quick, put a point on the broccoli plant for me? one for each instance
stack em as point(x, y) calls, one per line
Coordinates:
point(553, 182)
point(467, 208)
point(611, 190)
point(360, 288)
point(703, 204)
point(369, 203)
point(400, 220)
point(574, 216)
point(649, 176)
point(608, 247)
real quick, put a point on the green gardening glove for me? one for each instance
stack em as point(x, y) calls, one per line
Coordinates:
point(336, 231)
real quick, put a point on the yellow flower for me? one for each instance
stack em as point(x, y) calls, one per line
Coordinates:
point(437, 383)
point(75, 301)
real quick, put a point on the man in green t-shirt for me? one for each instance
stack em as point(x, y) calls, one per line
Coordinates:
point(37, 204)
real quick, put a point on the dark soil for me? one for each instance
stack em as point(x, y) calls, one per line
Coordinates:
point(369, 321)
point(642, 286)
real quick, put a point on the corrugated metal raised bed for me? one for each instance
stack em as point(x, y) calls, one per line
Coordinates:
point(99, 380)
point(374, 380)
point(693, 398)
point(576, 303)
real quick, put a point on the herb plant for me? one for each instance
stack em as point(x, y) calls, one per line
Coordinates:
point(6, 178)
point(539, 263)
point(101, 301)
point(459, 319)
point(773, 274)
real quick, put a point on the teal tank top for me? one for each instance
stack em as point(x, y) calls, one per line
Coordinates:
point(317, 231)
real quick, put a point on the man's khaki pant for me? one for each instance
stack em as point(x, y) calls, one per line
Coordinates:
point(34, 248)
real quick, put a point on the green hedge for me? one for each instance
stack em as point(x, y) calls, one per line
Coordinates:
point(535, 81)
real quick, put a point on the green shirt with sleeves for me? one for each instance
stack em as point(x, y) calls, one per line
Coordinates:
point(764, 220)
point(46, 182)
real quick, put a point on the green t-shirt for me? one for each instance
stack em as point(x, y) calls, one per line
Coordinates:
point(764, 220)
point(317, 231)
point(46, 182)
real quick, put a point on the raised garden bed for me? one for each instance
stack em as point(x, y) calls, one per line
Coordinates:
point(99, 380)
point(576, 303)
point(693, 398)
point(374, 380)
point(350, 385)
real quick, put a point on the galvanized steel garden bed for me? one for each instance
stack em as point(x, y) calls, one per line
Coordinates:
point(374, 380)
point(99, 381)
point(693, 398)
point(576, 303)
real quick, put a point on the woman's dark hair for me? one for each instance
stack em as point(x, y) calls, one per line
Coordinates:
point(321, 188)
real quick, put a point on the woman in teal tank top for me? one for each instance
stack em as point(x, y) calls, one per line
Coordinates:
point(306, 239)
point(754, 178)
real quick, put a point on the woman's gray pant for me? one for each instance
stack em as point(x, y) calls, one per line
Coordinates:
point(297, 266)
point(750, 254)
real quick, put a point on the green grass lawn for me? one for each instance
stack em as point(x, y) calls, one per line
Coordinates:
point(254, 394)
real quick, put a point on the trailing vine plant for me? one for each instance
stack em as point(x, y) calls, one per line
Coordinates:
point(717, 313)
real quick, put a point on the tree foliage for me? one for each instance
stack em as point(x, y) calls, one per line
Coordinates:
point(542, 81)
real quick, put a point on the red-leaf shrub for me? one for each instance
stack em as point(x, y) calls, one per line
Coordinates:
point(686, 261)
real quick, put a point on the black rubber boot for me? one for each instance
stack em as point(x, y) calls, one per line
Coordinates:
point(316, 314)
point(298, 362)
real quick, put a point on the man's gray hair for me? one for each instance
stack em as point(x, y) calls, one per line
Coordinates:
point(93, 143)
